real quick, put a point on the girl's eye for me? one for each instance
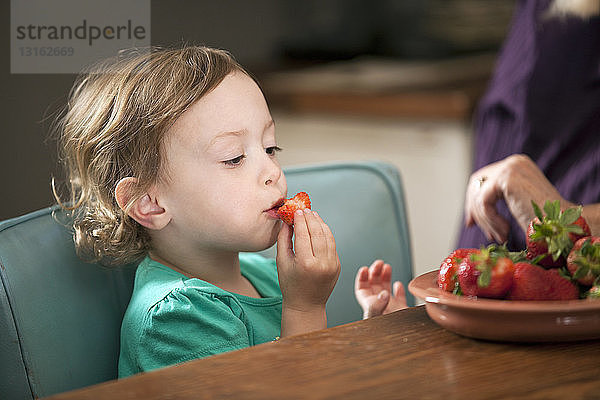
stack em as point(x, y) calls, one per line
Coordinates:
point(272, 150)
point(235, 161)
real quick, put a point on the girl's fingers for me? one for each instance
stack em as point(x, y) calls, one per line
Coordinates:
point(317, 235)
point(362, 279)
point(399, 290)
point(284, 242)
point(376, 307)
point(375, 271)
point(332, 252)
point(301, 236)
point(399, 298)
point(386, 274)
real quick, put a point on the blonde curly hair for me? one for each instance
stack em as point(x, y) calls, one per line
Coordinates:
point(114, 127)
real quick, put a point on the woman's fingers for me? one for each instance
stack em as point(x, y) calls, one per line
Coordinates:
point(483, 192)
point(486, 215)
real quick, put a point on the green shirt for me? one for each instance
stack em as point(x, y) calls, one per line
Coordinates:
point(172, 318)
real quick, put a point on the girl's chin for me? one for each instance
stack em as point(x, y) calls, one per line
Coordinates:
point(268, 241)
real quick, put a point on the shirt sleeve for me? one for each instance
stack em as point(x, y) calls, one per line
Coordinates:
point(189, 324)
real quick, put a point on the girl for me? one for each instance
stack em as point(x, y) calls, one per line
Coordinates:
point(171, 157)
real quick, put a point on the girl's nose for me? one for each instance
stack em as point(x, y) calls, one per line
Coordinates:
point(272, 173)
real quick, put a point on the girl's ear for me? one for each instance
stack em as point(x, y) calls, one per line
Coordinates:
point(145, 210)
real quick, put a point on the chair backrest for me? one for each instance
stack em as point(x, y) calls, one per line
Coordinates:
point(60, 317)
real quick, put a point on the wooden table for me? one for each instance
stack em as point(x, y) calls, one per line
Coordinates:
point(397, 356)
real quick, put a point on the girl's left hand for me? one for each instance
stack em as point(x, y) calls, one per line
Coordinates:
point(372, 290)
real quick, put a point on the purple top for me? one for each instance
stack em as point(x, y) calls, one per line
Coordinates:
point(544, 101)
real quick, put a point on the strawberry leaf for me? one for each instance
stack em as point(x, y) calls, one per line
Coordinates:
point(586, 248)
point(552, 209)
point(537, 211)
point(497, 251)
point(581, 272)
point(570, 215)
point(564, 272)
point(574, 229)
point(588, 259)
point(457, 290)
point(519, 256)
point(484, 279)
point(537, 259)
point(553, 246)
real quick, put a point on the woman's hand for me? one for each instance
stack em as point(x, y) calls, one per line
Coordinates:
point(517, 180)
point(372, 289)
point(308, 271)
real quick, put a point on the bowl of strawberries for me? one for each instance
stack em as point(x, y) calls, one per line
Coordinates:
point(549, 291)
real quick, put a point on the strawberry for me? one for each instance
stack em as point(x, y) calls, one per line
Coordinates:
point(550, 238)
point(531, 282)
point(486, 273)
point(584, 260)
point(447, 277)
point(299, 202)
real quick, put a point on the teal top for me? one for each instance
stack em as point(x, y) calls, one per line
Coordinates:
point(172, 318)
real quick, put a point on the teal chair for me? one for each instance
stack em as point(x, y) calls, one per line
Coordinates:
point(60, 317)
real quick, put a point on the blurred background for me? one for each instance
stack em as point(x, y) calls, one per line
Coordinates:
point(346, 80)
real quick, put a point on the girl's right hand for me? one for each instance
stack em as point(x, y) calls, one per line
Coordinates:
point(308, 271)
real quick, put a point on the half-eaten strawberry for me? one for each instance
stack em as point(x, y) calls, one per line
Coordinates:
point(290, 206)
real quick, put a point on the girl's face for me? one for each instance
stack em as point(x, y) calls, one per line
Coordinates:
point(223, 172)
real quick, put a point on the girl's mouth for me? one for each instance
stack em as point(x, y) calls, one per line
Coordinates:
point(272, 212)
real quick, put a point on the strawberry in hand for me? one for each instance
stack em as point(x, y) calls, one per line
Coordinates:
point(448, 275)
point(551, 237)
point(308, 267)
point(486, 273)
point(286, 212)
point(583, 261)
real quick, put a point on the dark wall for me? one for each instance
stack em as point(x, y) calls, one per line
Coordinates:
point(30, 102)
point(262, 34)
point(27, 161)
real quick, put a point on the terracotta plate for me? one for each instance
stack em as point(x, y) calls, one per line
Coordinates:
point(503, 320)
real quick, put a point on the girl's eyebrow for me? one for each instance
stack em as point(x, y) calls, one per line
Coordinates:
point(225, 134)
point(241, 132)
